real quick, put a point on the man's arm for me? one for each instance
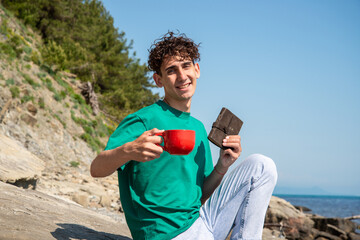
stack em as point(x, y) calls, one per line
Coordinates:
point(226, 159)
point(142, 149)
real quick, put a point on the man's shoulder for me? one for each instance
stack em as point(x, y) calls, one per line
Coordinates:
point(197, 121)
point(148, 110)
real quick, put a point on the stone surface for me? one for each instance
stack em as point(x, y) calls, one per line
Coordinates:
point(269, 234)
point(354, 236)
point(344, 225)
point(29, 119)
point(29, 214)
point(31, 108)
point(17, 163)
point(294, 224)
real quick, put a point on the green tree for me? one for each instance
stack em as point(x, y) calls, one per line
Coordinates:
point(80, 36)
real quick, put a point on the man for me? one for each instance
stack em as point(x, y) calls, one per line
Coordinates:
point(183, 197)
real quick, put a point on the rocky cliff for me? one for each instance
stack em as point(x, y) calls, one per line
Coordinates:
point(48, 137)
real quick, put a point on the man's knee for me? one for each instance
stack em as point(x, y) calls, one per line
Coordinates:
point(266, 164)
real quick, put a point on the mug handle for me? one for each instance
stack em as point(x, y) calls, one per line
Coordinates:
point(162, 136)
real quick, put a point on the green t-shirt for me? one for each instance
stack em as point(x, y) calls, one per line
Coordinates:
point(161, 198)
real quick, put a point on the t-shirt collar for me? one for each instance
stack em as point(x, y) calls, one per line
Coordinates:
point(172, 110)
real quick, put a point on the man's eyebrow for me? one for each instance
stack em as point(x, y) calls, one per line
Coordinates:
point(174, 66)
point(187, 62)
point(171, 67)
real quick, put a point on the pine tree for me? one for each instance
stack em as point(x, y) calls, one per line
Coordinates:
point(80, 36)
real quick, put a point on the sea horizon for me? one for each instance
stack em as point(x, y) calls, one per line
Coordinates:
point(315, 195)
point(331, 206)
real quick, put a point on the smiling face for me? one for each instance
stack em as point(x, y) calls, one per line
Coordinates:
point(178, 77)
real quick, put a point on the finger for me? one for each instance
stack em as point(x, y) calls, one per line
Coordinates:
point(149, 156)
point(154, 131)
point(151, 153)
point(232, 138)
point(235, 145)
point(154, 139)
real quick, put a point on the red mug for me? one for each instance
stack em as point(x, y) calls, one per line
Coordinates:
point(178, 142)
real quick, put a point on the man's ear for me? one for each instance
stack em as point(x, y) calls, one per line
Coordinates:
point(157, 79)
point(197, 70)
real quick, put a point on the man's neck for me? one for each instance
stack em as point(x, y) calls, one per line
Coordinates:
point(183, 106)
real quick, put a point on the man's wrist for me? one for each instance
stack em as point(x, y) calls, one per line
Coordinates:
point(220, 171)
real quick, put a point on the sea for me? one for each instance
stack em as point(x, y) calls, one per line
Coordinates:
point(327, 206)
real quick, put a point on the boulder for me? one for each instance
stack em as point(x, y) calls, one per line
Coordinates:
point(29, 119)
point(336, 226)
point(17, 164)
point(29, 214)
point(283, 216)
point(31, 108)
point(354, 236)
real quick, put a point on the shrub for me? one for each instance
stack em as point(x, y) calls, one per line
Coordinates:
point(78, 99)
point(41, 103)
point(27, 50)
point(30, 81)
point(41, 75)
point(10, 81)
point(27, 98)
point(57, 97)
point(35, 58)
point(49, 85)
point(74, 164)
point(8, 50)
point(15, 92)
point(54, 55)
point(60, 120)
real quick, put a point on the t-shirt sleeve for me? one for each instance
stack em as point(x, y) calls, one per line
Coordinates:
point(128, 130)
point(209, 166)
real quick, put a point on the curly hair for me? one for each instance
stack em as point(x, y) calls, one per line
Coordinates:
point(172, 44)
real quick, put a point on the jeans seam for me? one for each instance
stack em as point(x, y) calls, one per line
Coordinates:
point(234, 195)
point(242, 223)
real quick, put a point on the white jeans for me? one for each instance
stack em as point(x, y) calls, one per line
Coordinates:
point(238, 204)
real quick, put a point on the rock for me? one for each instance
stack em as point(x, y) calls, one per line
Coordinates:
point(325, 235)
point(295, 224)
point(105, 201)
point(17, 164)
point(345, 225)
point(336, 231)
point(29, 119)
point(81, 199)
point(4, 109)
point(31, 108)
point(272, 234)
point(302, 208)
point(29, 214)
point(354, 236)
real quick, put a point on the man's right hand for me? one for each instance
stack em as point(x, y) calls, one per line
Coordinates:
point(145, 147)
point(142, 149)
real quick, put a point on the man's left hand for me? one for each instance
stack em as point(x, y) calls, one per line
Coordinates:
point(229, 155)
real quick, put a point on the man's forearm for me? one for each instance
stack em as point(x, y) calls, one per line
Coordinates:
point(107, 162)
point(211, 183)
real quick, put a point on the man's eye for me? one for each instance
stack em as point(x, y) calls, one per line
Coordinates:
point(170, 71)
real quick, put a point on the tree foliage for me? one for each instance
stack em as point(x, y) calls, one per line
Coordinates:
point(80, 36)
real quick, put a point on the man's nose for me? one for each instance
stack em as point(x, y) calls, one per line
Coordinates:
point(182, 74)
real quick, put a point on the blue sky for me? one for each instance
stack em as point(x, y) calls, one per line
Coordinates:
point(289, 69)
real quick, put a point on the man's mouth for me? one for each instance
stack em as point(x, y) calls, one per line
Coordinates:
point(184, 86)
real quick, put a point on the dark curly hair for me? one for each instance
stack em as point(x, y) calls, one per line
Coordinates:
point(172, 44)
